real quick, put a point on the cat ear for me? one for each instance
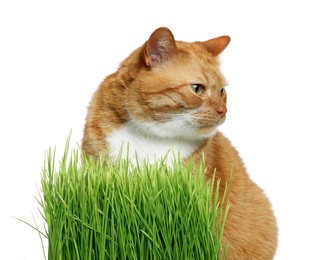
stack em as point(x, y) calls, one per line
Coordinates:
point(217, 45)
point(159, 47)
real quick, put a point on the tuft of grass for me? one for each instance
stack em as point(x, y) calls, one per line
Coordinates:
point(113, 210)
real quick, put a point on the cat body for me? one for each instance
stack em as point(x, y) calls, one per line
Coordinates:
point(170, 95)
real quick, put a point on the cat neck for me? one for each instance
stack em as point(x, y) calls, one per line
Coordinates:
point(131, 141)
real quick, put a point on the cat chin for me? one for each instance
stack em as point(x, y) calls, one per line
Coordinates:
point(210, 130)
point(207, 132)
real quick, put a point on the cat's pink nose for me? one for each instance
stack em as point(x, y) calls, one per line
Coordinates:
point(222, 110)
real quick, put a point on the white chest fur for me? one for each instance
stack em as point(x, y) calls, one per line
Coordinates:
point(141, 146)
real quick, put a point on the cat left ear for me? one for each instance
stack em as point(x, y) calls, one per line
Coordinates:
point(217, 45)
point(159, 47)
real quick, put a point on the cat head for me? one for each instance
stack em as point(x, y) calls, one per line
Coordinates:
point(179, 91)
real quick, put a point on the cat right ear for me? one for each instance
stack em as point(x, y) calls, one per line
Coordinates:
point(159, 47)
point(217, 45)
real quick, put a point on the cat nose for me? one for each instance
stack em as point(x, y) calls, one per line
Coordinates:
point(222, 110)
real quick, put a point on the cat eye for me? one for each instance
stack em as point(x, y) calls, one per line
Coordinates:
point(222, 91)
point(197, 88)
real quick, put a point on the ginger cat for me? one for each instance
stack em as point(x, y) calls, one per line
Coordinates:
point(171, 94)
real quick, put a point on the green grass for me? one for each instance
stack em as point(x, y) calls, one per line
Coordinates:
point(118, 211)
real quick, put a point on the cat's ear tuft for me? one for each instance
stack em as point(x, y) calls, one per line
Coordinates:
point(159, 47)
point(217, 45)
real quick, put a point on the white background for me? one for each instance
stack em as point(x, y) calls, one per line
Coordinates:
point(54, 54)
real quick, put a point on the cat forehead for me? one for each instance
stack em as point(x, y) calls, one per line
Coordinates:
point(194, 64)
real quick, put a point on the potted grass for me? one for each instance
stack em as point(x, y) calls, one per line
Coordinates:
point(98, 210)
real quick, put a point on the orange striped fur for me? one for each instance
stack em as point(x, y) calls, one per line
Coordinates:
point(170, 95)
